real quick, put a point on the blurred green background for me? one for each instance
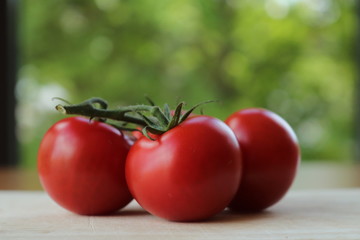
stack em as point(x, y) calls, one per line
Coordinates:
point(294, 57)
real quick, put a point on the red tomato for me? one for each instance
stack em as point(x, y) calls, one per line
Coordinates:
point(81, 165)
point(271, 156)
point(137, 134)
point(189, 173)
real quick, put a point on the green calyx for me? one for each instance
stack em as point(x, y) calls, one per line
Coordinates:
point(150, 118)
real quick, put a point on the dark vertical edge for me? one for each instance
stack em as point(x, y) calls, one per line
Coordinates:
point(9, 75)
point(4, 82)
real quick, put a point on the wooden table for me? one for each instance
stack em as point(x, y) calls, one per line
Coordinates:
point(302, 214)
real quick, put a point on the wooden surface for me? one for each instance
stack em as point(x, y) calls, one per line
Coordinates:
point(302, 214)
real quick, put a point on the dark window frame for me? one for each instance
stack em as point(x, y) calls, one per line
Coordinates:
point(8, 23)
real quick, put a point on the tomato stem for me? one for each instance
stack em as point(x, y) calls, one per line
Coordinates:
point(88, 109)
point(156, 121)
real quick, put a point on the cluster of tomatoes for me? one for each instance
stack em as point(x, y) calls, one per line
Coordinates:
point(190, 172)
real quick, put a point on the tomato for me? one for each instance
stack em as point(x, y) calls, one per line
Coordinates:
point(271, 155)
point(189, 173)
point(137, 134)
point(81, 165)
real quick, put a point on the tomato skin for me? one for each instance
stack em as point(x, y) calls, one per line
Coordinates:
point(189, 173)
point(271, 156)
point(81, 165)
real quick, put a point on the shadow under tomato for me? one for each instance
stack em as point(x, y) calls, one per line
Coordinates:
point(132, 212)
point(223, 217)
point(126, 212)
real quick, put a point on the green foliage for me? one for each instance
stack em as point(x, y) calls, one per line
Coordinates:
point(292, 57)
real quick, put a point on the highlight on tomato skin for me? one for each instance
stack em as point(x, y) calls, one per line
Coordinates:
point(271, 156)
point(189, 173)
point(81, 165)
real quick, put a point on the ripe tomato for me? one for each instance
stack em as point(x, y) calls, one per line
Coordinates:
point(81, 165)
point(189, 173)
point(271, 156)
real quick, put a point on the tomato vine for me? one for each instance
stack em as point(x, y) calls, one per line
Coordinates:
point(151, 118)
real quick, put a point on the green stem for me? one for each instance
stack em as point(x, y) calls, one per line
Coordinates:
point(156, 121)
point(87, 108)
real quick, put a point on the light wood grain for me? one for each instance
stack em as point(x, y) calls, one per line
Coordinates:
point(305, 214)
